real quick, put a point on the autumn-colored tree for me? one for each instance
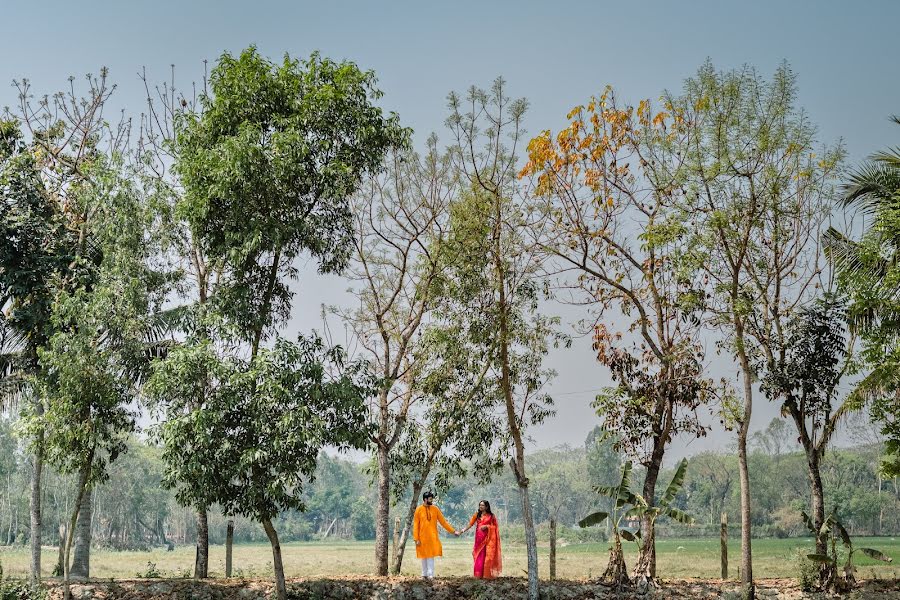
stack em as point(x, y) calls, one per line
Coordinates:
point(619, 241)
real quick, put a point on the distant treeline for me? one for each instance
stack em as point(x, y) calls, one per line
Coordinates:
point(133, 511)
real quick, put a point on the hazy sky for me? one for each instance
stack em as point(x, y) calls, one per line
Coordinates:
point(554, 53)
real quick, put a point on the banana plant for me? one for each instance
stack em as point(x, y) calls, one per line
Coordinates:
point(628, 505)
point(831, 531)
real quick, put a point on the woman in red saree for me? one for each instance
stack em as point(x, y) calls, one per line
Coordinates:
point(487, 555)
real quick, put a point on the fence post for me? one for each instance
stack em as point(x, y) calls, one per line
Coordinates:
point(229, 545)
point(396, 540)
point(552, 549)
point(723, 536)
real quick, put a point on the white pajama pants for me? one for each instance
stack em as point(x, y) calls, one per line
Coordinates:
point(428, 567)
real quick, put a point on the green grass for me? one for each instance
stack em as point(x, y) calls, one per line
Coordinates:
point(677, 558)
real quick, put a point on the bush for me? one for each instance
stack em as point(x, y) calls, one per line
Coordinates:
point(807, 571)
point(151, 573)
point(20, 590)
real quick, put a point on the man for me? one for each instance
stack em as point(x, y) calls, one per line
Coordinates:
point(425, 533)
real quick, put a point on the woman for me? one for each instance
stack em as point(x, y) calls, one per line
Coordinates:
point(488, 560)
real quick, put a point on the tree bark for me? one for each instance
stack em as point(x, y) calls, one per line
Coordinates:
point(81, 560)
point(229, 546)
point(61, 555)
point(748, 591)
point(646, 565)
point(201, 561)
point(382, 512)
point(83, 480)
point(395, 540)
point(407, 526)
point(280, 587)
point(36, 472)
point(530, 542)
point(723, 545)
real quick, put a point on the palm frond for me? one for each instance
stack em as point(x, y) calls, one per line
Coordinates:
point(593, 519)
point(675, 485)
point(872, 187)
point(876, 554)
point(678, 515)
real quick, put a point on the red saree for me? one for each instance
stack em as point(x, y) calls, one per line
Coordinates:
point(488, 559)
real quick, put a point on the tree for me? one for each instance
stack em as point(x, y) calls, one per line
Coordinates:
point(401, 223)
point(45, 147)
point(616, 571)
point(270, 419)
point(869, 276)
point(268, 163)
point(495, 267)
point(90, 364)
point(760, 193)
point(620, 239)
point(459, 428)
point(806, 379)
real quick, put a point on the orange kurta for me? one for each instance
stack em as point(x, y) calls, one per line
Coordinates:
point(425, 531)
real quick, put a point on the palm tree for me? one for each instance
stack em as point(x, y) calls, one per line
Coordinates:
point(869, 272)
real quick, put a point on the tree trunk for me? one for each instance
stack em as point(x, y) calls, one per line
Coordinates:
point(818, 499)
point(83, 480)
point(645, 569)
point(616, 572)
point(382, 511)
point(61, 555)
point(552, 549)
point(530, 542)
point(36, 502)
point(407, 526)
point(743, 468)
point(280, 587)
point(229, 546)
point(642, 571)
point(395, 540)
point(723, 545)
point(81, 560)
point(827, 572)
point(201, 561)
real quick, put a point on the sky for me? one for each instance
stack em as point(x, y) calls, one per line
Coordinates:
point(555, 54)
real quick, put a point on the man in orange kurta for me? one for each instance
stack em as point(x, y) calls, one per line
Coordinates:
point(425, 533)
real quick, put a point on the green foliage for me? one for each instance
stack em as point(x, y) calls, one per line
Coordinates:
point(268, 165)
point(807, 572)
point(833, 531)
point(269, 420)
point(151, 572)
point(870, 277)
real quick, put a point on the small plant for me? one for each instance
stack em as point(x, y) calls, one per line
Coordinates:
point(150, 573)
point(616, 571)
point(807, 572)
point(831, 531)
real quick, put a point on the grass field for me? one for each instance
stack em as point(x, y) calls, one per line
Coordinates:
point(677, 558)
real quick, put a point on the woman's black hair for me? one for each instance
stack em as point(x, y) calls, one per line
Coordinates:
point(487, 508)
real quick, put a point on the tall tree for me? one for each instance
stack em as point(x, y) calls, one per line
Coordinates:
point(496, 269)
point(47, 145)
point(620, 240)
point(400, 219)
point(91, 362)
point(268, 163)
point(264, 428)
point(870, 278)
point(759, 191)
point(806, 380)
